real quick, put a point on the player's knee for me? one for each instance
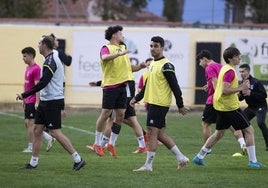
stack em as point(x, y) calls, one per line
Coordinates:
point(249, 130)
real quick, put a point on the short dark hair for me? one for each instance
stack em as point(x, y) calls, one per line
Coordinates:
point(204, 53)
point(49, 41)
point(158, 39)
point(245, 66)
point(53, 36)
point(29, 50)
point(230, 53)
point(112, 30)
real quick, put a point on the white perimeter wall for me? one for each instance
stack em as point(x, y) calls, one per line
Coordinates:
point(84, 43)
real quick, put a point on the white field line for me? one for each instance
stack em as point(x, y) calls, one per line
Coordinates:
point(65, 126)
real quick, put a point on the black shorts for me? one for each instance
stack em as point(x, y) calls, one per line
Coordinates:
point(29, 111)
point(131, 86)
point(259, 112)
point(130, 111)
point(114, 98)
point(235, 118)
point(209, 114)
point(156, 116)
point(48, 113)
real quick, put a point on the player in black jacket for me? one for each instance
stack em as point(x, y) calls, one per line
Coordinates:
point(255, 97)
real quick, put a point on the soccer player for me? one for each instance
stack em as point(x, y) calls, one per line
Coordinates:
point(65, 59)
point(255, 96)
point(48, 112)
point(115, 65)
point(157, 93)
point(226, 102)
point(32, 77)
point(129, 119)
point(141, 83)
point(212, 70)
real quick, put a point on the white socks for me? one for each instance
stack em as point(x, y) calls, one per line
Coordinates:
point(30, 145)
point(252, 153)
point(241, 142)
point(141, 142)
point(46, 136)
point(98, 136)
point(104, 140)
point(202, 153)
point(175, 150)
point(76, 157)
point(113, 138)
point(149, 159)
point(34, 161)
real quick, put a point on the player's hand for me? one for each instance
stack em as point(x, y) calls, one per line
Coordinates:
point(124, 52)
point(247, 82)
point(36, 105)
point(244, 86)
point(183, 110)
point(19, 97)
point(92, 84)
point(63, 114)
point(143, 65)
point(132, 102)
point(205, 88)
point(246, 92)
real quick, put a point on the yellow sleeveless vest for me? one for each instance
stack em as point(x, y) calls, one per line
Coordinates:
point(157, 89)
point(225, 102)
point(144, 77)
point(118, 70)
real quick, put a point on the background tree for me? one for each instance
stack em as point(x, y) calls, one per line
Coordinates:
point(136, 5)
point(118, 9)
point(257, 9)
point(173, 10)
point(261, 11)
point(21, 8)
point(237, 9)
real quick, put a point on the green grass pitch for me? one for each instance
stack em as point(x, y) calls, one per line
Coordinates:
point(55, 167)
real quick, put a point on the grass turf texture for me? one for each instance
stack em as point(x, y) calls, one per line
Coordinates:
point(55, 167)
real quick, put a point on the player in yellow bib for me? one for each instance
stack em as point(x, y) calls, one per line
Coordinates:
point(117, 74)
point(157, 92)
point(226, 102)
point(114, 70)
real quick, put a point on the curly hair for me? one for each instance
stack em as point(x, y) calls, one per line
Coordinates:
point(112, 30)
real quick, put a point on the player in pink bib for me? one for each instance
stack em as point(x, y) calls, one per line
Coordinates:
point(31, 78)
